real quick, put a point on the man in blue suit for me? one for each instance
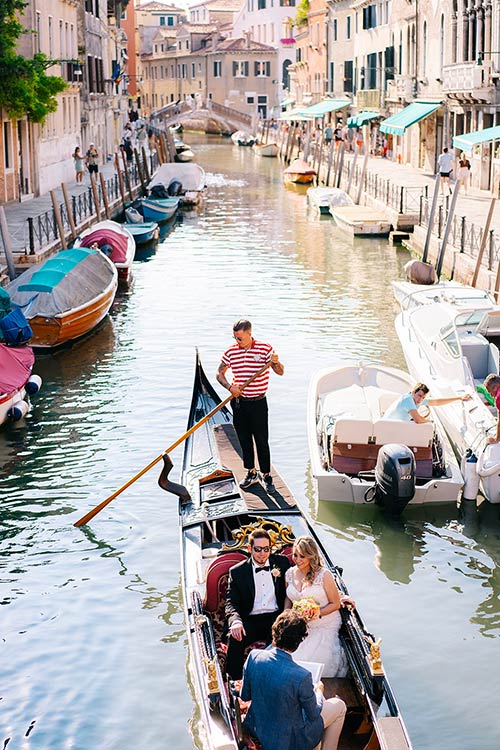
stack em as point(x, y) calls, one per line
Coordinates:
point(287, 712)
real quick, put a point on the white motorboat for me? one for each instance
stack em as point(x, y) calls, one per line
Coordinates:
point(446, 348)
point(350, 442)
point(185, 180)
point(361, 221)
point(323, 198)
point(266, 149)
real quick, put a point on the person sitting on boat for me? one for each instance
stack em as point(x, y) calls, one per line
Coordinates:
point(406, 406)
point(308, 579)
point(255, 596)
point(288, 712)
point(492, 385)
point(250, 412)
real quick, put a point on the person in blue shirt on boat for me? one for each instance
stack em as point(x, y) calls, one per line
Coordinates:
point(406, 407)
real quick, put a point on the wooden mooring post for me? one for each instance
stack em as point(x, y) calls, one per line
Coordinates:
point(120, 179)
point(57, 215)
point(104, 196)
point(147, 173)
point(447, 230)
point(4, 231)
point(95, 193)
point(362, 179)
point(139, 170)
point(127, 176)
point(431, 218)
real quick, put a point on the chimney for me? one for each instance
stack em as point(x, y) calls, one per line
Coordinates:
point(246, 34)
point(215, 39)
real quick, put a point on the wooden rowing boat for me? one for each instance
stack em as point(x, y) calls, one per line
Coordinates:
point(119, 239)
point(16, 380)
point(215, 519)
point(66, 296)
point(300, 172)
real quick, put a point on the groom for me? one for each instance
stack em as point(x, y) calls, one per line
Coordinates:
point(255, 596)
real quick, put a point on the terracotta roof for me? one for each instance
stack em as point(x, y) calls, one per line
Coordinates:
point(240, 45)
point(154, 5)
point(218, 5)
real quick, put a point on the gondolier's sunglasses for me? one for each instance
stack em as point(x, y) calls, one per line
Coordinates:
point(262, 549)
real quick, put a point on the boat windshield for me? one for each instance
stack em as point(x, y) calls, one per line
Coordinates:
point(470, 319)
point(450, 339)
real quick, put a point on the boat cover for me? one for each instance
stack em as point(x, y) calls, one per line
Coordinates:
point(70, 279)
point(299, 166)
point(4, 302)
point(119, 243)
point(15, 367)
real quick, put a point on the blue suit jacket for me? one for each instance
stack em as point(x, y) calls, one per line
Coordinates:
point(286, 712)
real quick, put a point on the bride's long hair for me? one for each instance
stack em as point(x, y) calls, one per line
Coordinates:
point(306, 546)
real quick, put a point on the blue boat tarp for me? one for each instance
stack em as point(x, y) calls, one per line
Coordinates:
point(413, 113)
point(356, 121)
point(467, 141)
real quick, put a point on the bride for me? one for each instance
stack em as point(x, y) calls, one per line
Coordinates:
point(309, 579)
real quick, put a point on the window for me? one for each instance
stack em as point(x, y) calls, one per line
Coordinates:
point(7, 156)
point(389, 60)
point(262, 99)
point(240, 69)
point(250, 98)
point(262, 69)
point(172, 71)
point(184, 71)
point(62, 52)
point(38, 32)
point(348, 69)
point(162, 20)
point(193, 70)
point(170, 20)
point(424, 49)
point(334, 29)
point(217, 69)
point(51, 40)
point(371, 72)
point(180, 45)
point(187, 43)
point(348, 27)
point(370, 17)
point(287, 3)
point(261, 4)
point(332, 77)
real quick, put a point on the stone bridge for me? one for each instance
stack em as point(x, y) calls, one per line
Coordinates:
point(207, 115)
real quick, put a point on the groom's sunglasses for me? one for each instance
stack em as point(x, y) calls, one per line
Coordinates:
point(262, 549)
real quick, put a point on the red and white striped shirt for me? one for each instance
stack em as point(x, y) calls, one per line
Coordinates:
point(246, 362)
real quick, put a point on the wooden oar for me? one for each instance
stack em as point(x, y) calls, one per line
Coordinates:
point(86, 518)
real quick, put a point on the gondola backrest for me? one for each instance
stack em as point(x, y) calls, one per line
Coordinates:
point(216, 585)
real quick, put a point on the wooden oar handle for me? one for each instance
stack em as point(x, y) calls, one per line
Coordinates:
point(90, 515)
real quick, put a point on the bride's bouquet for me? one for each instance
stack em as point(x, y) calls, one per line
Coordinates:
point(307, 607)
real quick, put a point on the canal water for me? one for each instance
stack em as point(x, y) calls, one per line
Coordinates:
point(92, 635)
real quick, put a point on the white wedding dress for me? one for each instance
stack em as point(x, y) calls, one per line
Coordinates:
point(322, 643)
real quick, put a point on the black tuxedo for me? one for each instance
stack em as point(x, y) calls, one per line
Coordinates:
point(239, 603)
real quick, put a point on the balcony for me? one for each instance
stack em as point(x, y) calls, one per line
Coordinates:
point(368, 99)
point(468, 81)
point(402, 87)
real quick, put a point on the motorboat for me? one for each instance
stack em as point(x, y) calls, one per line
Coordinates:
point(185, 181)
point(157, 209)
point(322, 199)
point(354, 449)
point(266, 149)
point(216, 517)
point(185, 155)
point(142, 231)
point(299, 171)
point(242, 138)
point(116, 241)
point(448, 349)
point(66, 296)
point(16, 382)
point(361, 221)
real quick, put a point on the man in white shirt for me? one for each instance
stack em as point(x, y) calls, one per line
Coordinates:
point(255, 596)
point(445, 165)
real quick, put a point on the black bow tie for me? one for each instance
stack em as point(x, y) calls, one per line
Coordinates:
point(264, 567)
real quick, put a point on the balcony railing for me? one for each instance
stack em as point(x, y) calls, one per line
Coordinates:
point(368, 98)
point(466, 76)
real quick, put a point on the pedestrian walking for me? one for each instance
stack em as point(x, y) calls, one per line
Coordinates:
point(445, 166)
point(463, 172)
point(79, 167)
point(92, 159)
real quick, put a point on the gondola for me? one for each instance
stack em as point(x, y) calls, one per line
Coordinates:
point(215, 519)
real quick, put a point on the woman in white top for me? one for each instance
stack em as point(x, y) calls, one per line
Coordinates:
point(309, 579)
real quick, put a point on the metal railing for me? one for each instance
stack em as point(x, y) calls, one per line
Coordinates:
point(404, 199)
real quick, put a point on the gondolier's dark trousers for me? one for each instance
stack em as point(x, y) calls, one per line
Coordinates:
point(250, 418)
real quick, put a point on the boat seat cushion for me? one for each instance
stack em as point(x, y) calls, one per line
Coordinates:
point(410, 434)
point(348, 430)
point(378, 400)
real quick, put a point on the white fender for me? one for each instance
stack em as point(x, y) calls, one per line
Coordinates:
point(488, 468)
point(33, 385)
point(468, 467)
point(18, 410)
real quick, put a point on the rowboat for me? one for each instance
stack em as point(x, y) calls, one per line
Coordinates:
point(118, 243)
point(16, 381)
point(448, 349)
point(299, 171)
point(215, 519)
point(158, 209)
point(361, 221)
point(187, 181)
point(266, 149)
point(141, 231)
point(322, 199)
point(353, 449)
point(66, 296)
point(185, 155)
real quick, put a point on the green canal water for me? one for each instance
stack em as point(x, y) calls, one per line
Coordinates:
point(93, 646)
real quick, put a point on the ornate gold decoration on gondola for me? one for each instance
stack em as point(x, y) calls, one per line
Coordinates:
point(374, 657)
point(281, 534)
point(212, 681)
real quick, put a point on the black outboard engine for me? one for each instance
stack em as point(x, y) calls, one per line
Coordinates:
point(174, 187)
point(394, 477)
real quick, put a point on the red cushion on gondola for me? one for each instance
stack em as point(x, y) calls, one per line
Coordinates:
point(217, 576)
point(287, 551)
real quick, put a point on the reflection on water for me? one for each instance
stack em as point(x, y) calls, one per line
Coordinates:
point(92, 630)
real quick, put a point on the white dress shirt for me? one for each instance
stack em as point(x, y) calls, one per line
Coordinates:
point(265, 595)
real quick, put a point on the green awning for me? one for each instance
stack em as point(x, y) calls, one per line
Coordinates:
point(288, 101)
point(467, 141)
point(298, 113)
point(397, 124)
point(328, 105)
point(356, 121)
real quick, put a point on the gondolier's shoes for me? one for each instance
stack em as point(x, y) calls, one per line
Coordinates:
point(269, 484)
point(251, 478)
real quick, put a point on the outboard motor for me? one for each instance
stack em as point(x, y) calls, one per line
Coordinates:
point(174, 187)
point(395, 475)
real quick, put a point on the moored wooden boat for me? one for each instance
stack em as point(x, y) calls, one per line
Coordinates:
point(361, 221)
point(158, 209)
point(143, 231)
point(16, 380)
point(66, 296)
point(299, 171)
point(323, 198)
point(117, 240)
point(266, 149)
point(347, 430)
point(215, 519)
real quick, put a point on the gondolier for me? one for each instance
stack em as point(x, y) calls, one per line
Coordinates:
point(250, 412)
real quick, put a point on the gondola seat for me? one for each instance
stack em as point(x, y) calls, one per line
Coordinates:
point(216, 586)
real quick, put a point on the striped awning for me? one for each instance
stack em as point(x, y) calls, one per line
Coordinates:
point(356, 121)
point(467, 141)
point(397, 124)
